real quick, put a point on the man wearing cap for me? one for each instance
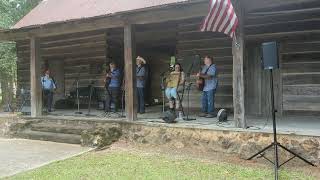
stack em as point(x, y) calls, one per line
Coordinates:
point(140, 74)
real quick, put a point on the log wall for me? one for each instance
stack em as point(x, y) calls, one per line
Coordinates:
point(301, 75)
point(297, 30)
point(190, 41)
point(84, 56)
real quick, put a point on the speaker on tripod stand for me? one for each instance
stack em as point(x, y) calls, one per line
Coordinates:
point(270, 61)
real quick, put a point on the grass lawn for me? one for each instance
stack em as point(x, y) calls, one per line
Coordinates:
point(126, 165)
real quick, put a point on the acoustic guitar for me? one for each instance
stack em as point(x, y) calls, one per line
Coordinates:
point(201, 81)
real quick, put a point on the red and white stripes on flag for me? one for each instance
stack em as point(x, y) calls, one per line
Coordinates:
point(221, 18)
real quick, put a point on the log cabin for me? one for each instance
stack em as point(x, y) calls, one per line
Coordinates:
point(76, 39)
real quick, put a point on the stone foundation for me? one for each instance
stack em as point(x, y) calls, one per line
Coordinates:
point(244, 144)
point(5, 123)
point(239, 142)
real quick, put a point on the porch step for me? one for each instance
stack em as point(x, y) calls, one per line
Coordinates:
point(59, 128)
point(49, 136)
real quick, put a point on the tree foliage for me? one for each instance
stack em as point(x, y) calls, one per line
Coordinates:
point(11, 11)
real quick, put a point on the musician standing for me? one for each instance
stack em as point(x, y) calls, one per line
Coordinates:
point(48, 87)
point(140, 73)
point(208, 73)
point(113, 83)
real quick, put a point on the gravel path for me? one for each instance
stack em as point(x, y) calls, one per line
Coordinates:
point(18, 155)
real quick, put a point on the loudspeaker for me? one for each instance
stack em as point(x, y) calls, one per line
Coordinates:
point(270, 57)
point(222, 115)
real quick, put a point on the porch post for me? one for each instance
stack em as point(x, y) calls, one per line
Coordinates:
point(238, 51)
point(35, 68)
point(130, 75)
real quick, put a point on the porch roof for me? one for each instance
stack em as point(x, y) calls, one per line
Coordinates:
point(50, 11)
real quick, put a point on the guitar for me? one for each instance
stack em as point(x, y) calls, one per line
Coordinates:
point(201, 81)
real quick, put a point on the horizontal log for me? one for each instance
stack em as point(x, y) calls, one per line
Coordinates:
point(67, 46)
point(219, 61)
point(199, 35)
point(297, 79)
point(303, 67)
point(215, 52)
point(90, 53)
point(311, 103)
point(301, 113)
point(276, 18)
point(187, 22)
point(259, 38)
point(148, 36)
point(153, 26)
point(290, 26)
point(85, 82)
point(303, 38)
point(292, 58)
point(67, 60)
point(70, 49)
point(66, 42)
point(73, 36)
point(304, 90)
point(300, 47)
point(195, 26)
point(96, 76)
point(212, 43)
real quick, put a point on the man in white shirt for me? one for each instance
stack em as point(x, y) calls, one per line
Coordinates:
point(48, 87)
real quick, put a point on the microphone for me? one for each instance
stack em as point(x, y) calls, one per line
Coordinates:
point(163, 73)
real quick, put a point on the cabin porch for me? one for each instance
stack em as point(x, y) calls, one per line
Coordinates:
point(299, 125)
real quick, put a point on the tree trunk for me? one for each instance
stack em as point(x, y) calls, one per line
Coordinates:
point(4, 90)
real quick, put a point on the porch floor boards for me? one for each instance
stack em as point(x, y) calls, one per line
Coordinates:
point(300, 125)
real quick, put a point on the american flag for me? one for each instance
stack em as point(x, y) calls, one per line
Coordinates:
point(221, 18)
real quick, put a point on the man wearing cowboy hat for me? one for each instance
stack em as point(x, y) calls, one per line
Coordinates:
point(140, 73)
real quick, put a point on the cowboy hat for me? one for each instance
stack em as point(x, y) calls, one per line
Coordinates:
point(141, 59)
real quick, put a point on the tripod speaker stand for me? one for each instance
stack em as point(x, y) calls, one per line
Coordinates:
point(270, 62)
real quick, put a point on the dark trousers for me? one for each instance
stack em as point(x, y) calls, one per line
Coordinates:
point(112, 95)
point(48, 98)
point(140, 96)
point(207, 100)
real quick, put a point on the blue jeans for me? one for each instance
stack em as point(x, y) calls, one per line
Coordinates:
point(48, 99)
point(140, 95)
point(208, 101)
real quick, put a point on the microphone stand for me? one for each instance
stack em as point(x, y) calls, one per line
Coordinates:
point(188, 103)
point(90, 98)
point(163, 90)
point(188, 93)
point(77, 86)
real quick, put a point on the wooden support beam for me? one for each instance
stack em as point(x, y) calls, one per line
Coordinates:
point(130, 75)
point(238, 50)
point(35, 72)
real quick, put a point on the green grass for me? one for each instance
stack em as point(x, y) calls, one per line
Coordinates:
point(123, 165)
